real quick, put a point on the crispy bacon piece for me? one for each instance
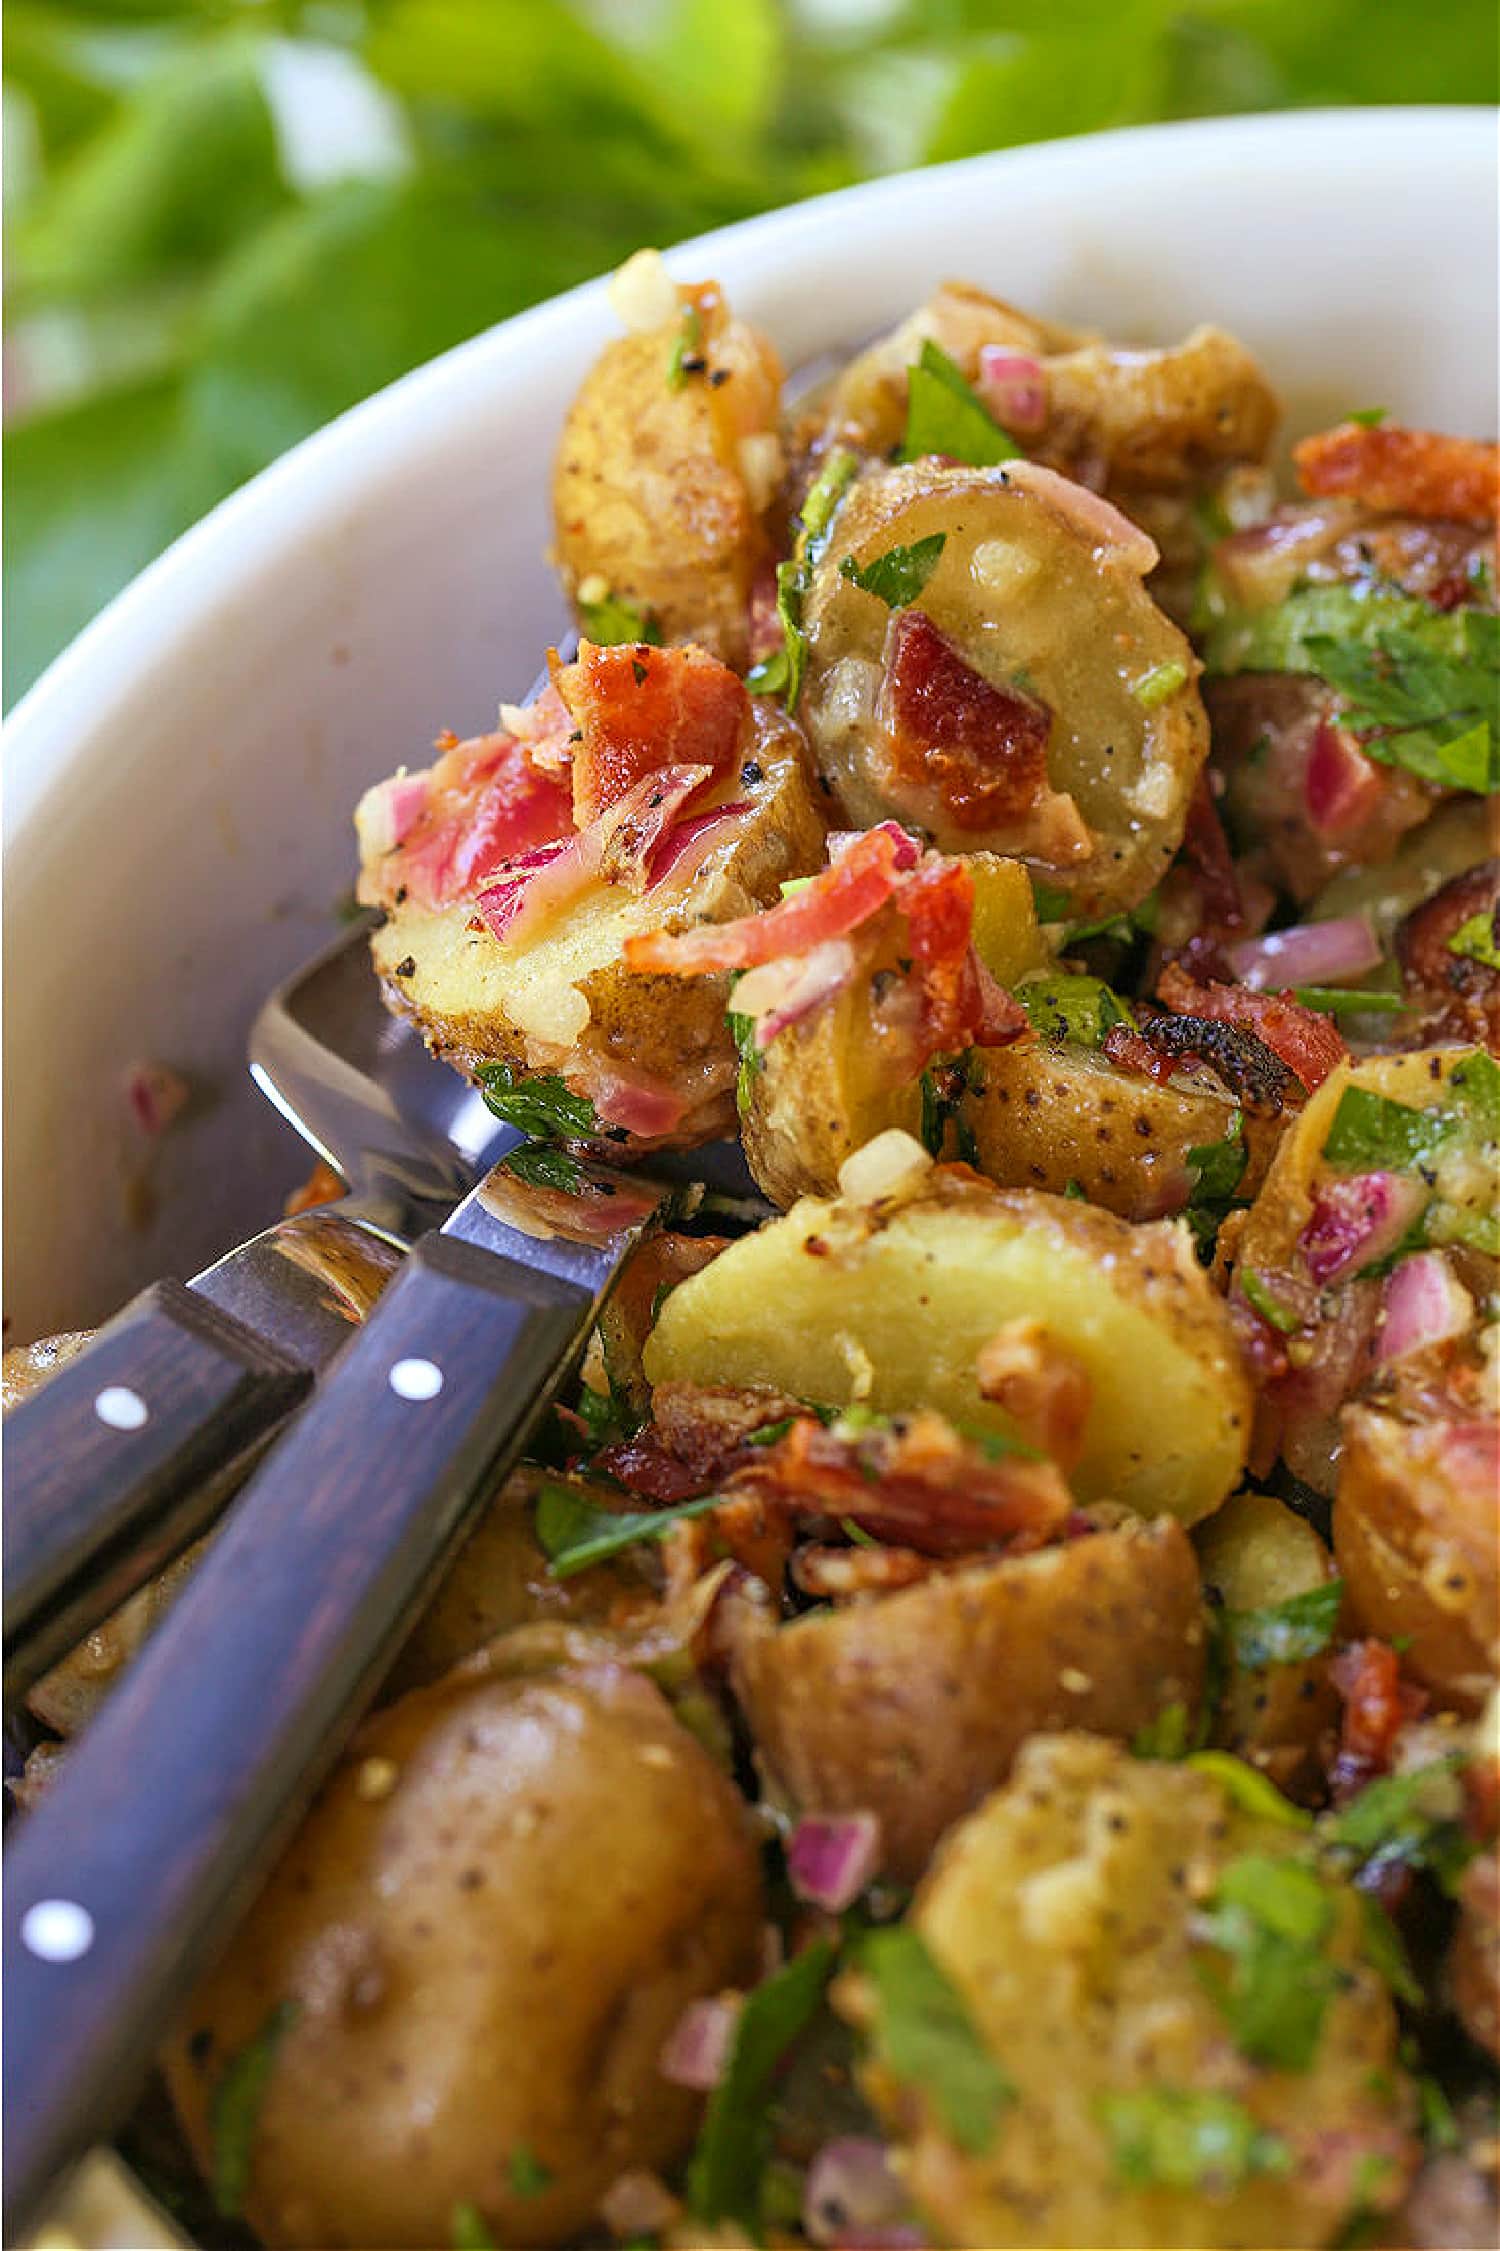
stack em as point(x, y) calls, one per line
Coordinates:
point(1206, 847)
point(981, 748)
point(1045, 1390)
point(482, 803)
point(644, 1466)
point(915, 1482)
point(835, 902)
point(1377, 1705)
point(1305, 1041)
point(832, 1574)
point(708, 1426)
point(961, 1004)
point(639, 709)
point(1414, 472)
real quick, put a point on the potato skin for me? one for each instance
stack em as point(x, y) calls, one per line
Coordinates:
point(913, 1705)
point(1414, 1535)
point(1063, 1913)
point(649, 491)
point(1075, 620)
point(486, 1959)
point(566, 1003)
point(1255, 1552)
point(838, 1302)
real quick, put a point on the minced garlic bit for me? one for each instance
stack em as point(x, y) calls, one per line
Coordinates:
point(594, 588)
point(1001, 566)
point(376, 1779)
point(642, 294)
point(760, 466)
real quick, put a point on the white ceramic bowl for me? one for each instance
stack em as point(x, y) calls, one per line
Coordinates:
point(179, 783)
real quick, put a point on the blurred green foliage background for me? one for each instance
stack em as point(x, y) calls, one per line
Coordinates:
point(229, 219)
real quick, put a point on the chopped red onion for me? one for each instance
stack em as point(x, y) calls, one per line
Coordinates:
point(156, 1094)
point(699, 830)
point(852, 2195)
point(1013, 386)
point(1310, 953)
point(697, 2048)
point(831, 1859)
point(1340, 785)
point(1357, 1220)
point(908, 851)
point(1425, 1304)
point(517, 886)
point(778, 993)
point(1099, 520)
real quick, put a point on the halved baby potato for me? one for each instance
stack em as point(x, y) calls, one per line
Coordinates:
point(464, 1967)
point(913, 1705)
point(1028, 698)
point(667, 462)
point(563, 1001)
point(888, 1304)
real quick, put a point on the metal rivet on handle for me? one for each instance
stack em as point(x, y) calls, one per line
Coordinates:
point(121, 1408)
point(416, 1379)
point(57, 1930)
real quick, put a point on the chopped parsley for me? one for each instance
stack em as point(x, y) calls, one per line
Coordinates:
point(751, 1055)
point(1249, 1789)
point(1371, 1133)
point(1478, 939)
point(925, 2035)
point(1339, 1000)
point(897, 576)
point(544, 1109)
point(1268, 1921)
point(1167, 1736)
point(541, 1165)
point(528, 2175)
point(1368, 417)
point(782, 674)
point(1285, 1633)
point(685, 360)
point(1177, 2137)
point(1219, 1166)
point(468, 2231)
point(945, 415)
point(234, 2112)
point(611, 622)
point(575, 1534)
point(1155, 686)
point(1077, 1009)
point(724, 2177)
point(1386, 1953)
point(1413, 1820)
point(1258, 1293)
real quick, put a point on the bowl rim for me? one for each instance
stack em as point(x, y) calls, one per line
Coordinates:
point(225, 549)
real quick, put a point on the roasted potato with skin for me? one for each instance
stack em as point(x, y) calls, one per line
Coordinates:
point(1112, 415)
point(1000, 709)
point(1414, 1532)
point(889, 1304)
point(830, 1082)
point(913, 1705)
point(480, 1938)
point(1065, 1914)
point(564, 1001)
point(668, 460)
point(1254, 1553)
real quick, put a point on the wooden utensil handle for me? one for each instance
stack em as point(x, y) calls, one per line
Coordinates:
point(129, 1873)
point(123, 1457)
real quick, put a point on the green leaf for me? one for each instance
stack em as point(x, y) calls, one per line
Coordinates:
point(1412, 1820)
point(685, 348)
point(898, 576)
point(1371, 1133)
point(612, 623)
point(176, 175)
point(925, 2035)
point(575, 1534)
point(467, 2230)
point(1386, 1952)
point(1258, 1293)
point(543, 1108)
point(1476, 1080)
point(1154, 687)
point(1478, 939)
point(234, 2112)
point(1168, 1736)
point(1249, 1789)
point(541, 1165)
point(1077, 1009)
point(783, 672)
point(1285, 1633)
point(1170, 2137)
point(1269, 1917)
point(528, 2175)
point(944, 415)
point(1219, 1166)
point(725, 2173)
point(1339, 1000)
point(751, 1055)
point(1368, 417)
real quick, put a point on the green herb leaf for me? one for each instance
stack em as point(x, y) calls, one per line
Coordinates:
point(945, 415)
point(1285, 1633)
point(1476, 1081)
point(467, 2230)
point(1169, 2137)
point(898, 576)
point(1386, 1953)
point(1168, 1736)
point(1258, 1293)
point(545, 1109)
point(1371, 1133)
point(687, 346)
point(1339, 1000)
point(612, 623)
point(1413, 1820)
point(1269, 1917)
point(752, 1057)
point(1368, 417)
point(1440, 2129)
point(540, 1165)
point(1478, 939)
point(783, 673)
point(1070, 1008)
point(926, 2037)
point(1249, 1789)
point(235, 2110)
point(1219, 1166)
point(725, 2173)
point(575, 1534)
point(528, 2175)
point(1155, 686)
